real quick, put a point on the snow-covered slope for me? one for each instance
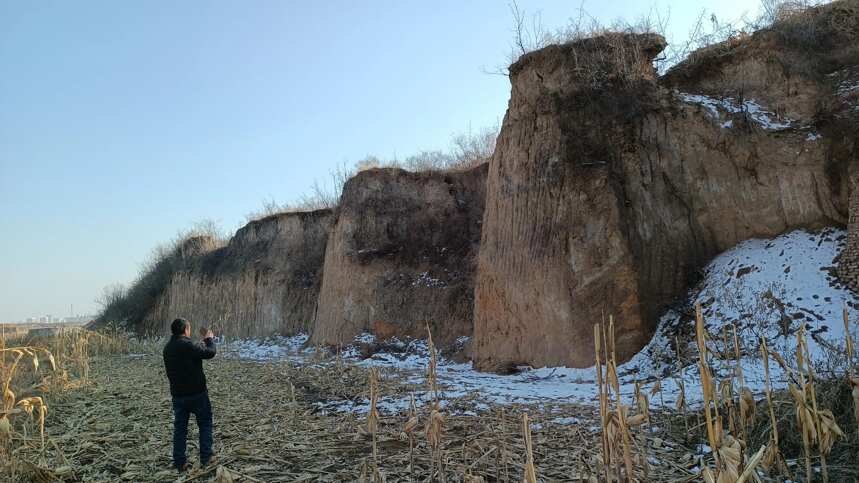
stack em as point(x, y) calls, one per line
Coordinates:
point(766, 288)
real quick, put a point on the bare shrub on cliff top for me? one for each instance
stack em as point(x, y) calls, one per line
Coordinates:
point(804, 25)
point(131, 305)
point(467, 150)
point(322, 195)
point(798, 22)
point(828, 30)
point(529, 33)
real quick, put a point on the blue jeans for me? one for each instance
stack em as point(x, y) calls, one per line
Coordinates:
point(201, 408)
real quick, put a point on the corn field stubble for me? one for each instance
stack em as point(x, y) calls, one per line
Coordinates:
point(109, 419)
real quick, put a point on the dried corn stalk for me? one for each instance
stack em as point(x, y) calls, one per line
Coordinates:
point(772, 453)
point(727, 450)
point(681, 397)
point(413, 422)
point(603, 398)
point(431, 368)
point(804, 416)
point(747, 400)
point(373, 418)
point(753, 462)
point(848, 343)
point(706, 379)
point(747, 407)
point(657, 387)
point(643, 403)
point(730, 457)
point(827, 431)
point(408, 432)
point(530, 471)
point(851, 379)
point(28, 405)
point(435, 428)
point(5, 429)
point(373, 414)
point(855, 383)
point(621, 409)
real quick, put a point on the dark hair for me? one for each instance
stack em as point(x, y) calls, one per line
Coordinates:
point(178, 326)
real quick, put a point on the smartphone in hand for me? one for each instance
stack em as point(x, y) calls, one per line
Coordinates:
point(205, 333)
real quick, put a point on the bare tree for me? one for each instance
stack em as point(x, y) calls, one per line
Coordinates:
point(110, 295)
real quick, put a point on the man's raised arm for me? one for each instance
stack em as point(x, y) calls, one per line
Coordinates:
point(207, 349)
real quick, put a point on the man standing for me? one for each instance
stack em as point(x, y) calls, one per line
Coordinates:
point(183, 361)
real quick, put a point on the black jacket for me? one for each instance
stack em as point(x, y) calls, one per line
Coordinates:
point(183, 361)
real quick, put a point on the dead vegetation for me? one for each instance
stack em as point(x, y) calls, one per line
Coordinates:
point(118, 429)
point(127, 306)
point(35, 373)
point(467, 150)
point(806, 37)
point(110, 420)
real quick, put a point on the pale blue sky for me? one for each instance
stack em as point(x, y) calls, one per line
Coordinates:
point(123, 122)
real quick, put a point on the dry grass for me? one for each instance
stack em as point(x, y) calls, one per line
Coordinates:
point(118, 427)
point(35, 372)
point(110, 420)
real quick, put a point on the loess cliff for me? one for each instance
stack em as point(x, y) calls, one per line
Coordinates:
point(610, 188)
point(264, 282)
point(402, 256)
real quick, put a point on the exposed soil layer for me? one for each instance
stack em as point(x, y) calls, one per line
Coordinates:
point(610, 189)
point(264, 282)
point(402, 256)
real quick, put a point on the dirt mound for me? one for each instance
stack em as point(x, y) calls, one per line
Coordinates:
point(402, 256)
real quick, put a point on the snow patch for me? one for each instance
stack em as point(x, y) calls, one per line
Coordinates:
point(425, 280)
point(755, 112)
point(847, 87)
point(767, 288)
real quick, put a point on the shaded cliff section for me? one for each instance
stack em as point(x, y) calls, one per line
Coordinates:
point(402, 256)
point(610, 188)
point(264, 282)
point(398, 255)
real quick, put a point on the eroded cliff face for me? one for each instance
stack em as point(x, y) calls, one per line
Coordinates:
point(402, 256)
point(264, 282)
point(609, 188)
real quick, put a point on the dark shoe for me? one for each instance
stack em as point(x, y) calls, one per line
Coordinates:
point(210, 461)
point(183, 467)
